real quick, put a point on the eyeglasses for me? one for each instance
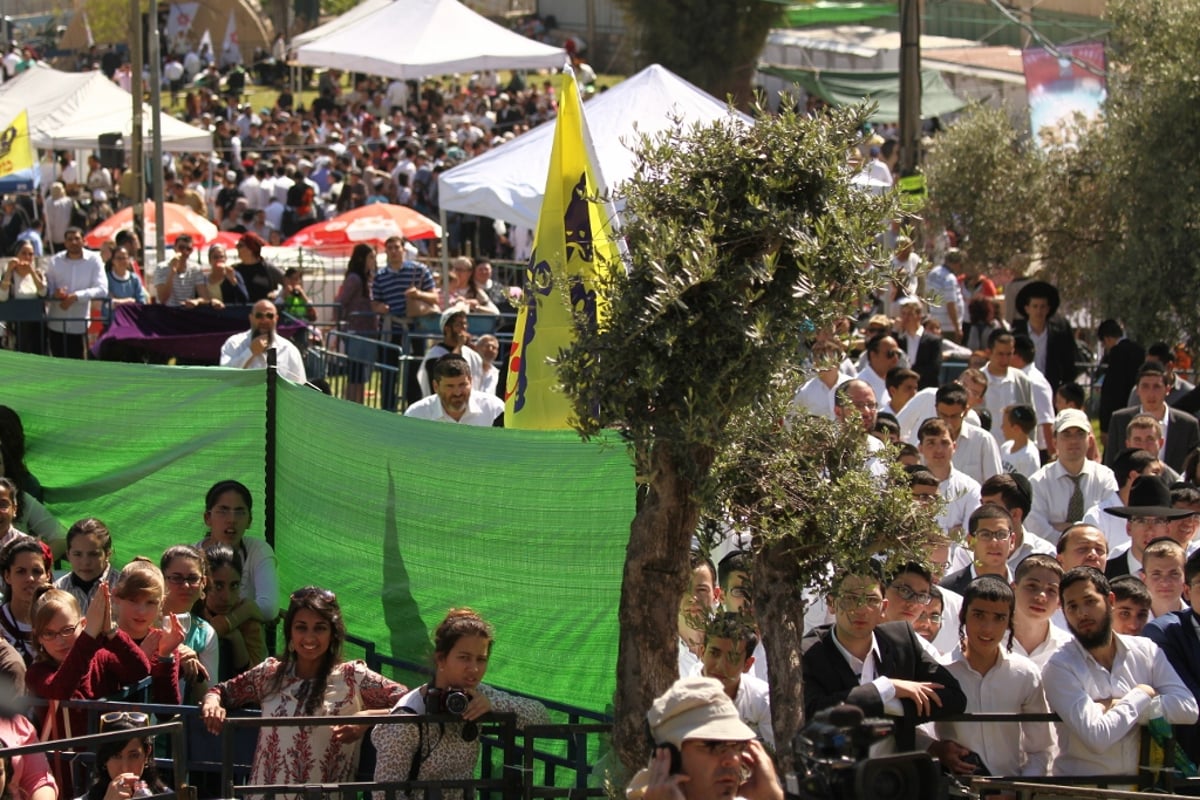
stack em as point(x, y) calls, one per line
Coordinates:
point(723, 749)
point(63, 633)
point(853, 602)
point(909, 596)
point(935, 618)
point(993, 536)
point(866, 406)
point(264, 315)
point(176, 579)
point(740, 593)
point(1157, 522)
point(132, 717)
point(893, 354)
point(226, 511)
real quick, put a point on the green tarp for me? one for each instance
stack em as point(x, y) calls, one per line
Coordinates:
point(402, 518)
point(847, 88)
point(799, 15)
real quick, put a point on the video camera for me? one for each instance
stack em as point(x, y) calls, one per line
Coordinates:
point(833, 763)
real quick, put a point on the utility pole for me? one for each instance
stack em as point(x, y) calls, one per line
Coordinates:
point(136, 154)
point(910, 86)
point(156, 168)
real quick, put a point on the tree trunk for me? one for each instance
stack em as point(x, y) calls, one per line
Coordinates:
point(779, 608)
point(655, 577)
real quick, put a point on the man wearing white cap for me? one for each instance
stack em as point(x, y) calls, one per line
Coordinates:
point(715, 755)
point(1064, 489)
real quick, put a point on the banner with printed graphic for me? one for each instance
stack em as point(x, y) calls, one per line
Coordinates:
point(18, 171)
point(1060, 85)
point(574, 250)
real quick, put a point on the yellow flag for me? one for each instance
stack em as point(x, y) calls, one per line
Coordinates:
point(573, 247)
point(17, 171)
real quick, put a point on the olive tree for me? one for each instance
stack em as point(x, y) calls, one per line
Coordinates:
point(742, 239)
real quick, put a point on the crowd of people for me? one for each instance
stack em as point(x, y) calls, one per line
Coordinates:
point(1062, 576)
point(192, 622)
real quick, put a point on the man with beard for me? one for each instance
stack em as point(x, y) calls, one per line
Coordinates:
point(248, 350)
point(452, 399)
point(1104, 685)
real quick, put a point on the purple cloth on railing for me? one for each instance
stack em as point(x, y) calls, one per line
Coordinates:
point(195, 334)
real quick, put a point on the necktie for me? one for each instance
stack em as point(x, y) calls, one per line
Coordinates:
point(1075, 504)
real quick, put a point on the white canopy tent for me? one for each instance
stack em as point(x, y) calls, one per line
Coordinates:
point(70, 110)
point(507, 182)
point(416, 38)
point(365, 8)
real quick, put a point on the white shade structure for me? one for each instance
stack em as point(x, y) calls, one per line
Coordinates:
point(507, 182)
point(410, 39)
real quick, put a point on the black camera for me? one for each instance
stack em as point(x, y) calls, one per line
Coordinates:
point(833, 763)
point(446, 701)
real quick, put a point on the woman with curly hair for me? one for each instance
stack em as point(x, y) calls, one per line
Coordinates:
point(311, 680)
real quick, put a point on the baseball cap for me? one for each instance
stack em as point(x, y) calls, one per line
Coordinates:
point(696, 708)
point(1071, 418)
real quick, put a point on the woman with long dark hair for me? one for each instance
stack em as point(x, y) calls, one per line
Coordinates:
point(310, 680)
point(124, 767)
point(361, 317)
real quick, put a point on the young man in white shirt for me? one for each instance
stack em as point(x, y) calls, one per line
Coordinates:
point(960, 491)
point(1104, 685)
point(728, 656)
point(1036, 586)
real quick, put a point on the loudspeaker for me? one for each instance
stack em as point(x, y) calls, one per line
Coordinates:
point(112, 150)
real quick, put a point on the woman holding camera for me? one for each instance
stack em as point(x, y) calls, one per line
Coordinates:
point(311, 680)
point(124, 767)
point(462, 645)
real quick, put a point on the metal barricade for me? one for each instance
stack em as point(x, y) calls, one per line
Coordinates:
point(361, 368)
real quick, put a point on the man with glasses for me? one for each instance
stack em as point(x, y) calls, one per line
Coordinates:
point(181, 283)
point(990, 539)
point(248, 350)
point(881, 667)
point(1178, 635)
point(1147, 517)
point(702, 749)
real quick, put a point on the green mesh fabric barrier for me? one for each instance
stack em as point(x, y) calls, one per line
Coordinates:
point(402, 518)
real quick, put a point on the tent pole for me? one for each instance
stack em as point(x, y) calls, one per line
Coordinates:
point(445, 252)
point(137, 151)
point(156, 169)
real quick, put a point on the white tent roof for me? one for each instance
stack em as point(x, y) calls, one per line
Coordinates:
point(415, 38)
point(507, 182)
point(70, 110)
point(361, 10)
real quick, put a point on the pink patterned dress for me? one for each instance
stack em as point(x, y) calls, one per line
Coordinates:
point(307, 754)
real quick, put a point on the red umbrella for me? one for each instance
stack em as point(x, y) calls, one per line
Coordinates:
point(373, 224)
point(180, 220)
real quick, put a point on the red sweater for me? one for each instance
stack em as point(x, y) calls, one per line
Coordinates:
point(97, 668)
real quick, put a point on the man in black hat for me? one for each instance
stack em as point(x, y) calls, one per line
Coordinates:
point(1053, 339)
point(1147, 517)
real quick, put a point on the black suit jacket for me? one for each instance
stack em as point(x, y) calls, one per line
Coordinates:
point(929, 358)
point(1175, 634)
point(1117, 566)
point(829, 681)
point(960, 579)
point(1060, 350)
point(1183, 436)
point(1120, 366)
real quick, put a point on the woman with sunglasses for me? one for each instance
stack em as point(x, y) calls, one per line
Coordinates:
point(462, 646)
point(310, 680)
point(124, 767)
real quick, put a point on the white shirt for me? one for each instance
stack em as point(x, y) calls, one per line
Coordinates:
point(1030, 543)
point(83, 277)
point(1052, 491)
point(482, 410)
point(816, 398)
point(1058, 638)
point(1025, 460)
point(947, 637)
point(1099, 742)
point(236, 353)
point(877, 383)
point(942, 285)
point(1114, 528)
point(1014, 388)
point(976, 453)
point(1043, 400)
point(1013, 684)
point(867, 671)
point(1041, 342)
point(923, 406)
point(753, 703)
point(961, 493)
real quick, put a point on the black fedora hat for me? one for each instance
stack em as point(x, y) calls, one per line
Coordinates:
point(1037, 289)
point(1149, 497)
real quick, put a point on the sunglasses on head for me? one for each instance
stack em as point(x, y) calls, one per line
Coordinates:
point(136, 718)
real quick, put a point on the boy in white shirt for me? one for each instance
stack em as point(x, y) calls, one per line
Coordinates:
point(1018, 453)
